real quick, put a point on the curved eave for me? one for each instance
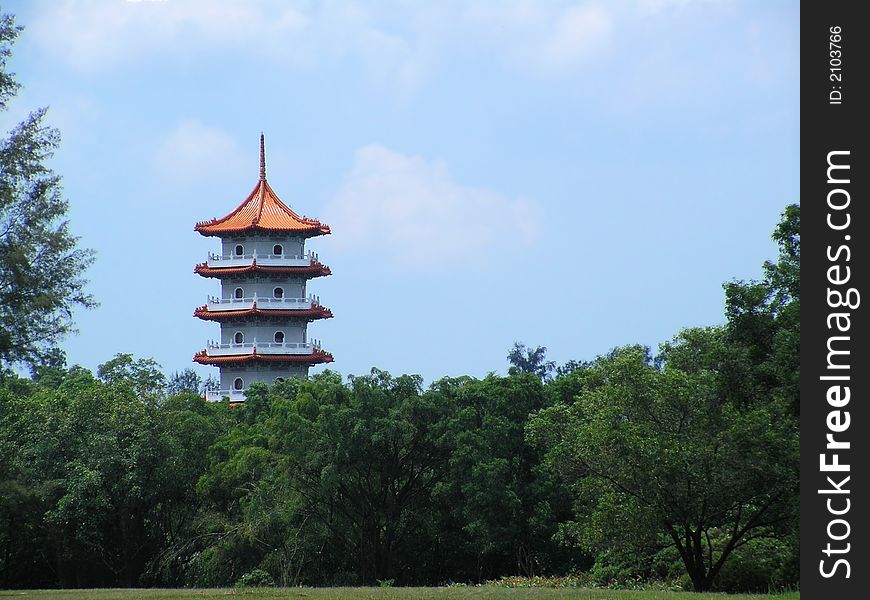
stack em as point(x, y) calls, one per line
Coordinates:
point(210, 229)
point(315, 358)
point(315, 270)
point(317, 312)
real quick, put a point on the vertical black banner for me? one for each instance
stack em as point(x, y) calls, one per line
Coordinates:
point(835, 370)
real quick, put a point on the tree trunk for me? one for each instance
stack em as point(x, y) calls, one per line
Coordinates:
point(700, 579)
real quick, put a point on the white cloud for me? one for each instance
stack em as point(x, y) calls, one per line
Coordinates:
point(578, 32)
point(194, 152)
point(96, 34)
point(650, 7)
point(397, 41)
point(410, 210)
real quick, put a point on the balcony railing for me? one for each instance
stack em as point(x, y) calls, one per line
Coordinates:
point(263, 260)
point(264, 302)
point(217, 349)
point(218, 395)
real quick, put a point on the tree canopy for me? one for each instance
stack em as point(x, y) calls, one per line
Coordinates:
point(663, 460)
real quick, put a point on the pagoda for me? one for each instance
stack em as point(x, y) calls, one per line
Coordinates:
point(263, 309)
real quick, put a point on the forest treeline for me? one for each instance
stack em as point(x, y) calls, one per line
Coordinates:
point(679, 465)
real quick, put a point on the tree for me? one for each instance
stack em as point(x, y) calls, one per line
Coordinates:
point(143, 375)
point(764, 320)
point(502, 506)
point(91, 453)
point(96, 483)
point(253, 518)
point(41, 267)
point(184, 381)
point(327, 482)
point(529, 360)
point(364, 460)
point(657, 454)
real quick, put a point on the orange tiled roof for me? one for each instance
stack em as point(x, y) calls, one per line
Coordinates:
point(315, 312)
point(316, 357)
point(316, 269)
point(262, 211)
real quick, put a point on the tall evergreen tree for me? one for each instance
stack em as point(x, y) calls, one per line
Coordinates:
point(41, 264)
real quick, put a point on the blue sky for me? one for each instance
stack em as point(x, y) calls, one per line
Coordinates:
point(578, 175)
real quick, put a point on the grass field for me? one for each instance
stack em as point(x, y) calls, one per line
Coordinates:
point(362, 593)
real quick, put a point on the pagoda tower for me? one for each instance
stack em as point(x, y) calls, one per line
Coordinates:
point(264, 308)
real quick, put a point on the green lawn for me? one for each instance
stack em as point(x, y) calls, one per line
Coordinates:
point(451, 593)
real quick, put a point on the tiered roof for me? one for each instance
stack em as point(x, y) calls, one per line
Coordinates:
point(315, 269)
point(318, 356)
point(262, 211)
point(315, 312)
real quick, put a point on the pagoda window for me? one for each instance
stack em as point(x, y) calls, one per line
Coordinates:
point(239, 293)
point(240, 250)
point(279, 292)
point(239, 337)
point(238, 384)
point(278, 250)
point(279, 337)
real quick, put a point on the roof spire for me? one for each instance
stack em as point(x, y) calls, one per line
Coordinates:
point(262, 157)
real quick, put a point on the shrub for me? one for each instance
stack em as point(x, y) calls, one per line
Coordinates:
point(256, 578)
point(762, 565)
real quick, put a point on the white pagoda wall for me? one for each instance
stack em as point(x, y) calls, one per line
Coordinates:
point(294, 331)
point(263, 287)
point(263, 245)
point(260, 374)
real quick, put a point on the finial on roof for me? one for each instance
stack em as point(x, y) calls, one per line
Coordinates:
point(262, 157)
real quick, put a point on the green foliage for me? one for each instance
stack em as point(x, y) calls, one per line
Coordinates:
point(530, 360)
point(256, 578)
point(506, 505)
point(364, 459)
point(184, 381)
point(99, 480)
point(763, 565)
point(8, 35)
point(41, 266)
point(345, 484)
point(323, 482)
point(142, 376)
point(657, 452)
point(764, 321)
